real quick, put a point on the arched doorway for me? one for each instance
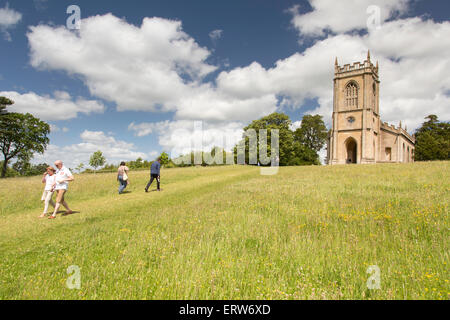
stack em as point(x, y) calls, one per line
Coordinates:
point(352, 151)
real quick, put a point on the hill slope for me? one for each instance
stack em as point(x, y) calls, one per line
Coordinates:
point(230, 233)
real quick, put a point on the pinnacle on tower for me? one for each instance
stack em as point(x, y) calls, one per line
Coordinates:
point(368, 55)
point(336, 62)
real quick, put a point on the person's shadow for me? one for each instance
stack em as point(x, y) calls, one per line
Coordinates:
point(65, 214)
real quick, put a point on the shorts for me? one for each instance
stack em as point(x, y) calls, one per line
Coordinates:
point(60, 195)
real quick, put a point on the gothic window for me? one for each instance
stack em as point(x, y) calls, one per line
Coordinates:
point(351, 120)
point(351, 94)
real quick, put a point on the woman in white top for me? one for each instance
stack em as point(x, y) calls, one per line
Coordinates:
point(122, 177)
point(49, 180)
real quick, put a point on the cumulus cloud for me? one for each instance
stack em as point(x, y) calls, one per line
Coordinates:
point(296, 125)
point(180, 137)
point(114, 150)
point(60, 106)
point(55, 128)
point(146, 68)
point(154, 67)
point(344, 15)
point(9, 18)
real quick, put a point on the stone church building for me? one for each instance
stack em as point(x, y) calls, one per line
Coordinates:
point(358, 135)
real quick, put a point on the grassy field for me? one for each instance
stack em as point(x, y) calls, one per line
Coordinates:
point(230, 233)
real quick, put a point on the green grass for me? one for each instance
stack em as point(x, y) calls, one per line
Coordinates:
point(230, 233)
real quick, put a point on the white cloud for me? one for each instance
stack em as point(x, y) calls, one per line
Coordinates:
point(9, 18)
point(296, 125)
point(59, 107)
point(148, 68)
point(54, 128)
point(216, 34)
point(153, 155)
point(113, 150)
point(154, 67)
point(180, 137)
point(343, 15)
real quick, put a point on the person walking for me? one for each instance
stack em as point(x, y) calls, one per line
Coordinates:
point(49, 180)
point(155, 173)
point(122, 177)
point(61, 185)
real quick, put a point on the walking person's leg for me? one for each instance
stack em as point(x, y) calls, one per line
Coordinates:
point(158, 180)
point(65, 205)
point(48, 201)
point(59, 201)
point(150, 183)
point(45, 199)
point(122, 185)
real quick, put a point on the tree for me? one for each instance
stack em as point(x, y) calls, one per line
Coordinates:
point(21, 133)
point(433, 140)
point(97, 160)
point(164, 158)
point(23, 165)
point(80, 167)
point(303, 156)
point(275, 121)
point(139, 163)
point(4, 102)
point(312, 133)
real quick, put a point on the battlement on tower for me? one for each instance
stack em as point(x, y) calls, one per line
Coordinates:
point(366, 66)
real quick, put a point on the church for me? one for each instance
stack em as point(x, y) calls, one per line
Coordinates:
point(358, 135)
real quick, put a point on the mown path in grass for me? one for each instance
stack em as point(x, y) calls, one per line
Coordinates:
point(226, 233)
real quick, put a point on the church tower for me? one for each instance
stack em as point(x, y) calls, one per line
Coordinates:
point(355, 136)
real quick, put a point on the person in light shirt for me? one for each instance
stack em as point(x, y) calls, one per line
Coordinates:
point(49, 180)
point(63, 177)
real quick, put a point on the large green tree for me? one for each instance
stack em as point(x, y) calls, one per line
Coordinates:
point(433, 140)
point(275, 121)
point(20, 134)
point(312, 132)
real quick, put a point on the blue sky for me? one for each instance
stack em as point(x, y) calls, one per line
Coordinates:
point(267, 56)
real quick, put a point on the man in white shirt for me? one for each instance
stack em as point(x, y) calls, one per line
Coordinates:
point(63, 177)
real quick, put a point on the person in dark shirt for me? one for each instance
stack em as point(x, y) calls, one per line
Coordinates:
point(155, 173)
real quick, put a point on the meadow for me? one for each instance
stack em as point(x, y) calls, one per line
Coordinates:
point(231, 233)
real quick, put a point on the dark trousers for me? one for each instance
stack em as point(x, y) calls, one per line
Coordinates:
point(153, 177)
